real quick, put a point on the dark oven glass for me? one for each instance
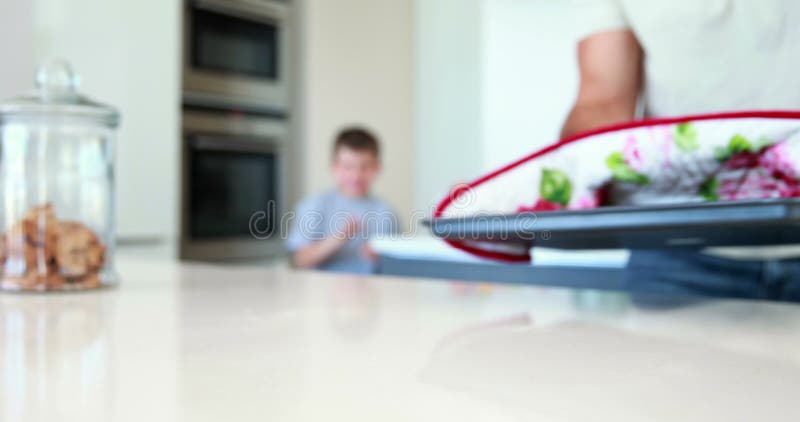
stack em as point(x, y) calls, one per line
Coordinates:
point(228, 44)
point(228, 187)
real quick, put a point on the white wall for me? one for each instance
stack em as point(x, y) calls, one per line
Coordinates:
point(16, 47)
point(530, 76)
point(127, 54)
point(448, 96)
point(494, 80)
point(357, 59)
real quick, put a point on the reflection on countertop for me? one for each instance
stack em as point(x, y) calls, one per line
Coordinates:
point(201, 342)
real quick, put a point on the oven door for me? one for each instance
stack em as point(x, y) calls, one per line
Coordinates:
point(233, 193)
point(236, 53)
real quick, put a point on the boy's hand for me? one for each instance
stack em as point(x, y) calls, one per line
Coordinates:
point(351, 228)
point(318, 252)
point(369, 253)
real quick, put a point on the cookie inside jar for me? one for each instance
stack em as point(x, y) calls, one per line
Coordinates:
point(40, 253)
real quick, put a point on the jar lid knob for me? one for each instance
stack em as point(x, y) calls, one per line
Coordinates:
point(56, 78)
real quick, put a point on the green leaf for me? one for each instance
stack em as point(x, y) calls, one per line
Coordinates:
point(623, 172)
point(686, 137)
point(555, 187)
point(739, 144)
point(710, 190)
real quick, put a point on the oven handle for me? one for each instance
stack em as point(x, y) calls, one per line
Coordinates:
point(269, 10)
point(233, 143)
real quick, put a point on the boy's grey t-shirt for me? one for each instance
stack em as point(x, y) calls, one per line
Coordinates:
point(320, 216)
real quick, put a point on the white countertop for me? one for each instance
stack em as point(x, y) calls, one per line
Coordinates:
point(200, 343)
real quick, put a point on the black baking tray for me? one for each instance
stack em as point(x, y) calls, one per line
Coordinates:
point(693, 226)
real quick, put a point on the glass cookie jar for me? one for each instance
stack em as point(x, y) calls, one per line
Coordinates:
point(56, 187)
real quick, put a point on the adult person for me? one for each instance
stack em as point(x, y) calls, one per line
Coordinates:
point(682, 57)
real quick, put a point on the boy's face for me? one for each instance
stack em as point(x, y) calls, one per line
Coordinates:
point(354, 171)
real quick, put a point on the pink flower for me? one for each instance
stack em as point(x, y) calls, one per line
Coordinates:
point(541, 205)
point(586, 202)
point(776, 160)
point(757, 184)
point(633, 156)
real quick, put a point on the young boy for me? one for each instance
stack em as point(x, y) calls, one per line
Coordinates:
point(331, 230)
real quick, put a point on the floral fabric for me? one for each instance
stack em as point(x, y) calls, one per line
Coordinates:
point(738, 156)
point(741, 169)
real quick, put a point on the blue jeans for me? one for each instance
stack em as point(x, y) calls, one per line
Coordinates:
point(692, 273)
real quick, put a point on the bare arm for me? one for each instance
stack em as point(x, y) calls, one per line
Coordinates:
point(313, 255)
point(317, 253)
point(610, 66)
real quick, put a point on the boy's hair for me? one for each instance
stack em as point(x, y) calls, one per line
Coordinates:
point(357, 139)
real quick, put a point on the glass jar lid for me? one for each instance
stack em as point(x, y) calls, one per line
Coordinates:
point(56, 95)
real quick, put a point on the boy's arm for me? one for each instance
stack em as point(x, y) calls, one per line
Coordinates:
point(315, 254)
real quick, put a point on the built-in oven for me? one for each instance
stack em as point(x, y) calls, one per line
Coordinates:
point(236, 53)
point(234, 192)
